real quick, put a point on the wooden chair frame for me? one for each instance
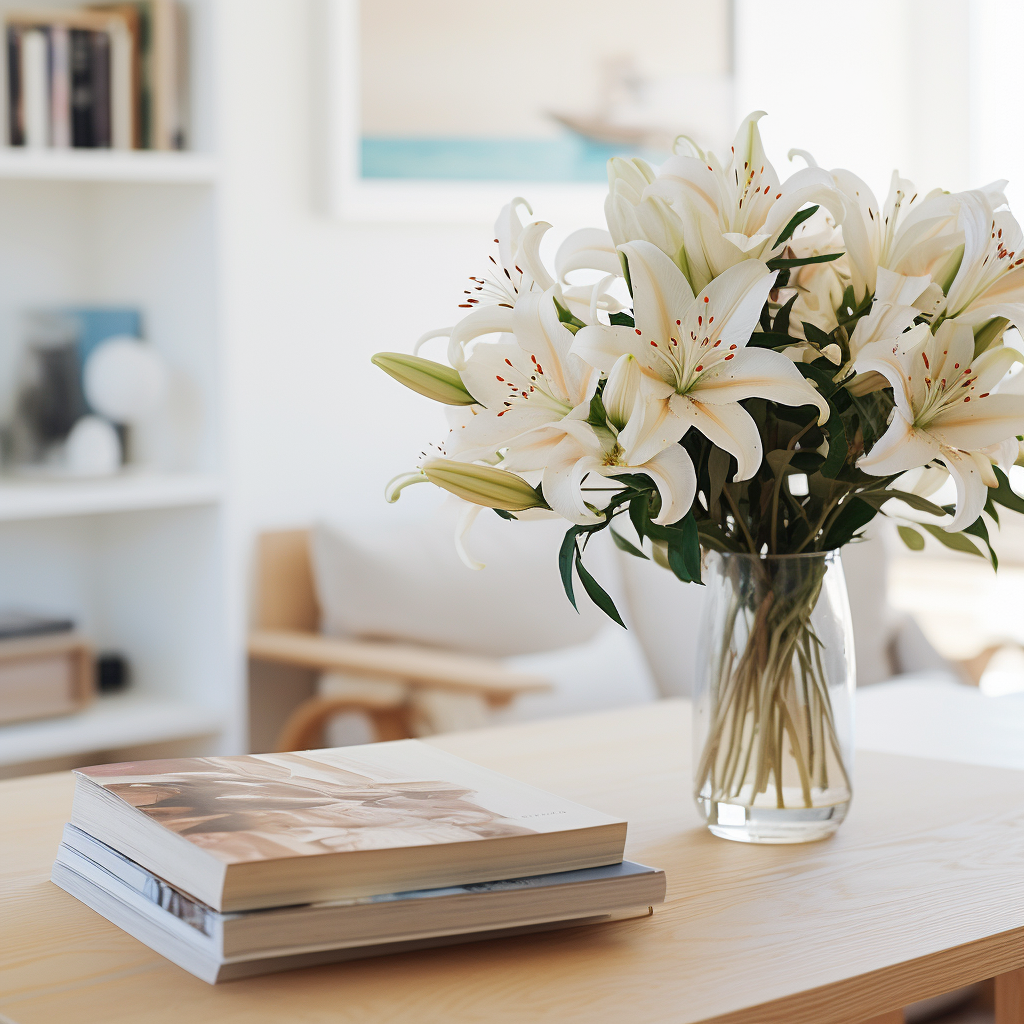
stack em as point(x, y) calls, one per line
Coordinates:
point(287, 617)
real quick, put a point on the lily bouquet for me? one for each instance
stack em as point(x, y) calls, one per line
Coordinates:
point(740, 365)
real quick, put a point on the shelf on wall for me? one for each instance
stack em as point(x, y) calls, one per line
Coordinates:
point(106, 165)
point(22, 499)
point(110, 723)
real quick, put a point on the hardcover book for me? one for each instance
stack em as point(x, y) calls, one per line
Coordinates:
point(268, 830)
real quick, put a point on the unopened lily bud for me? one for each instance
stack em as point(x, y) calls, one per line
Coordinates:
point(425, 377)
point(483, 485)
point(621, 390)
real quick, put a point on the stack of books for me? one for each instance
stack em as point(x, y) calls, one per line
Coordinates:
point(105, 76)
point(236, 866)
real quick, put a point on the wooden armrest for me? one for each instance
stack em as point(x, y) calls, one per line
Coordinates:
point(974, 668)
point(417, 666)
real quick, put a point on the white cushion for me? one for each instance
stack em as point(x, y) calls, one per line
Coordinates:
point(607, 672)
point(406, 582)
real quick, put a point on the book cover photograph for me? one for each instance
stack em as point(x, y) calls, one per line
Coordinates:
point(268, 806)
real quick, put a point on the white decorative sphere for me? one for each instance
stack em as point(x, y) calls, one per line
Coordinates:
point(92, 448)
point(125, 380)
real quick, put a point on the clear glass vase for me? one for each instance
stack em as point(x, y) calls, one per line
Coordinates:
point(773, 700)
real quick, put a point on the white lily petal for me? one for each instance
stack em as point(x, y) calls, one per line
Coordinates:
point(673, 474)
point(728, 426)
point(441, 332)
point(528, 258)
point(971, 425)
point(602, 345)
point(465, 523)
point(758, 373)
point(485, 320)
point(661, 294)
point(737, 297)
point(587, 249)
point(899, 449)
point(563, 479)
point(971, 492)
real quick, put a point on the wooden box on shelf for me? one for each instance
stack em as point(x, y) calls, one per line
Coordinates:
point(45, 676)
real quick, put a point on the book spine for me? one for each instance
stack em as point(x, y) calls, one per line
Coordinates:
point(182, 97)
point(164, 93)
point(82, 127)
point(122, 105)
point(15, 131)
point(145, 77)
point(35, 100)
point(60, 89)
point(101, 109)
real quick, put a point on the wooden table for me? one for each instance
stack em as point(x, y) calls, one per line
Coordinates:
point(921, 891)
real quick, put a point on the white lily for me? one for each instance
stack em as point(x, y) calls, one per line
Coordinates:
point(518, 268)
point(630, 218)
point(694, 355)
point(625, 444)
point(523, 385)
point(736, 211)
point(945, 409)
point(913, 236)
point(989, 282)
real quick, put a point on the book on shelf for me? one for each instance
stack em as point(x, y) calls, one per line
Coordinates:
point(104, 76)
point(217, 946)
point(268, 830)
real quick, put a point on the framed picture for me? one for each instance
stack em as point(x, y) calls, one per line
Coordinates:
point(444, 111)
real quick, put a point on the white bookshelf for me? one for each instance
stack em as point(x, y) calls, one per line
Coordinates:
point(52, 499)
point(106, 165)
point(138, 560)
point(109, 724)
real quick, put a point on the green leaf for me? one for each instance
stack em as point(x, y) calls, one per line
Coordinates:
point(780, 325)
point(624, 545)
point(638, 514)
point(596, 593)
point(795, 221)
point(574, 323)
point(911, 538)
point(980, 530)
point(822, 378)
point(955, 541)
point(624, 263)
point(855, 514)
point(781, 264)
point(1004, 493)
point(598, 416)
point(771, 339)
point(505, 515)
point(837, 447)
point(991, 509)
point(816, 335)
point(621, 320)
point(565, 554)
point(915, 501)
point(683, 543)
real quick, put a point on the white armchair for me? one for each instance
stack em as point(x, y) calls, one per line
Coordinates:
point(397, 628)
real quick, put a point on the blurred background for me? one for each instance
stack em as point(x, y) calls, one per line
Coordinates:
point(214, 211)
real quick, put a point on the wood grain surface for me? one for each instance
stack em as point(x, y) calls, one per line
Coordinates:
point(921, 891)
